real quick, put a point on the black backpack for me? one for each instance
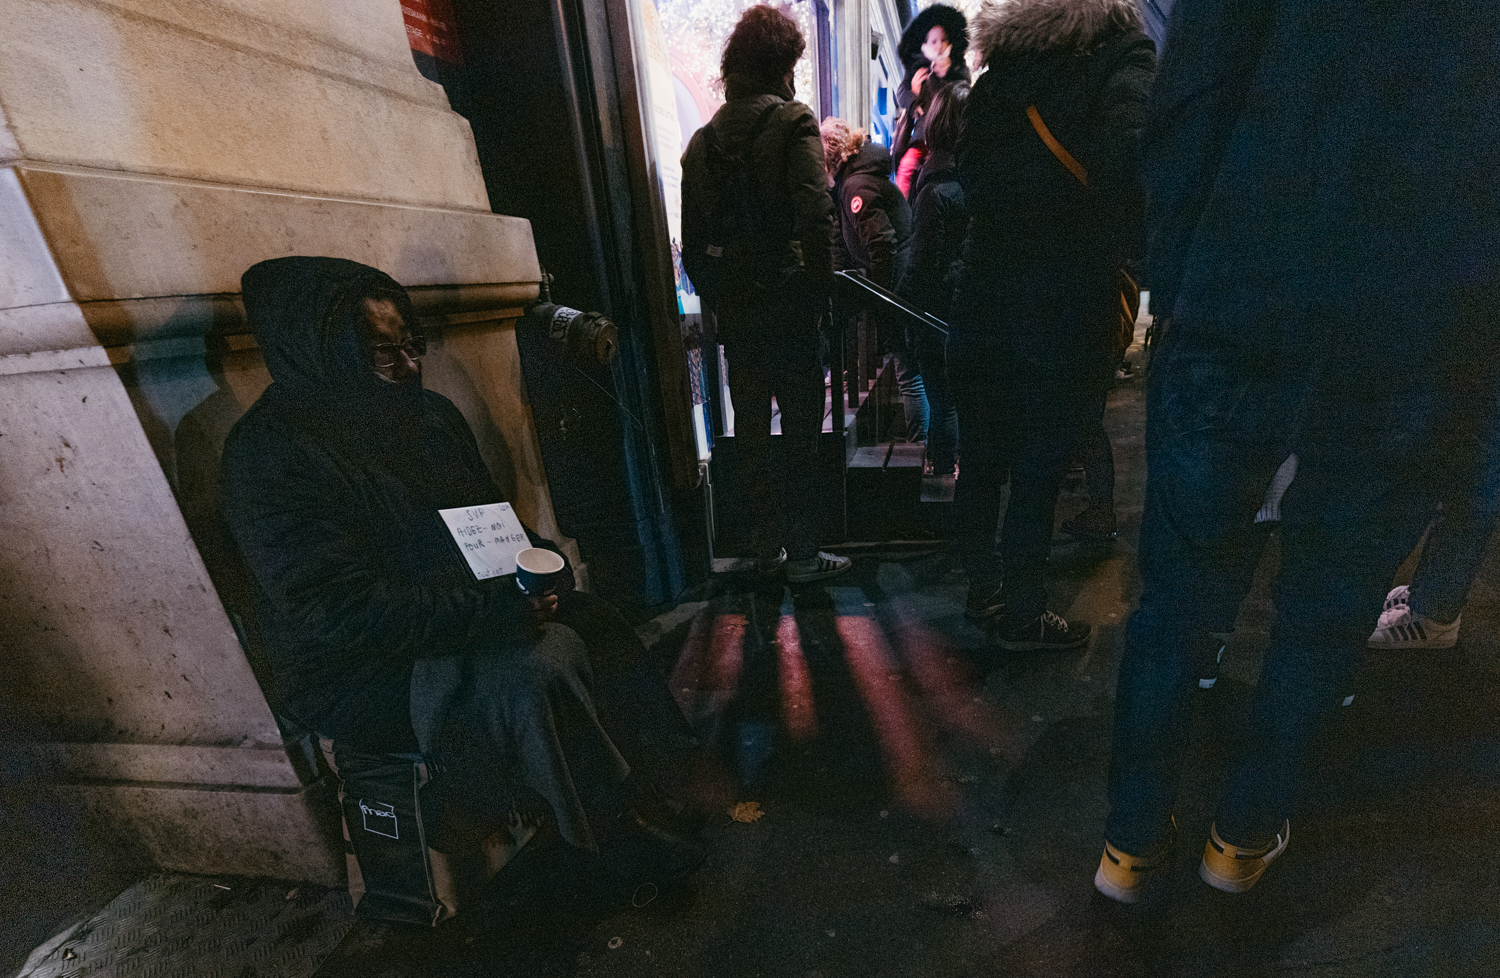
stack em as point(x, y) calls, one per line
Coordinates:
point(747, 254)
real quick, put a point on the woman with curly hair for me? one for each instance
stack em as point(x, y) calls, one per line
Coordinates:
point(767, 279)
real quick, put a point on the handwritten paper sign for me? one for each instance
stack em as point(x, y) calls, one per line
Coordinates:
point(489, 537)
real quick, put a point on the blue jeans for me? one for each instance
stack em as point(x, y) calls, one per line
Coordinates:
point(913, 392)
point(1456, 545)
point(942, 432)
point(1218, 425)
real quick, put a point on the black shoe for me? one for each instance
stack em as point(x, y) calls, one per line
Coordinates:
point(645, 852)
point(986, 599)
point(1096, 524)
point(657, 806)
point(1045, 631)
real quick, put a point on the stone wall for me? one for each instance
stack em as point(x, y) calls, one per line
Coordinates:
point(150, 151)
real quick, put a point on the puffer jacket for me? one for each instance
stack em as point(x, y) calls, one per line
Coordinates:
point(940, 220)
point(1086, 67)
point(874, 219)
point(332, 483)
point(787, 163)
point(911, 125)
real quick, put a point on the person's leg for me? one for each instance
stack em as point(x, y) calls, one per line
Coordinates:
point(1096, 453)
point(800, 393)
point(1093, 450)
point(983, 418)
point(913, 392)
point(942, 428)
point(634, 705)
point(1212, 446)
point(1050, 378)
point(750, 392)
point(1456, 545)
point(523, 717)
point(1026, 537)
point(1363, 489)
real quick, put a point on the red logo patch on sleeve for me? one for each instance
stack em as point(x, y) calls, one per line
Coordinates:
point(856, 205)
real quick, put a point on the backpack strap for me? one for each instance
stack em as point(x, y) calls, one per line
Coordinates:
point(760, 124)
point(1066, 158)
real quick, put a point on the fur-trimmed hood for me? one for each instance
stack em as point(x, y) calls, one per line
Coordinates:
point(953, 24)
point(1015, 27)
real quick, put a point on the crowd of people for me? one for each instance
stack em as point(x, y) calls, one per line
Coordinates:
point(1310, 203)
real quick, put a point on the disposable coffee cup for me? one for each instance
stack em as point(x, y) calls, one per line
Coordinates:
point(538, 571)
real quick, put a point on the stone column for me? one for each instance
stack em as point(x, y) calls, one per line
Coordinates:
point(151, 151)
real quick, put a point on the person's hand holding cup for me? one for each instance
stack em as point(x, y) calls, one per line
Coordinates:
point(539, 572)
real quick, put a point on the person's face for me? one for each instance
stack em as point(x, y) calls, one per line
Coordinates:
point(391, 346)
point(936, 48)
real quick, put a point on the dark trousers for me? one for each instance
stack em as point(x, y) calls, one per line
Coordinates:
point(1456, 546)
point(1020, 386)
point(1095, 452)
point(1218, 427)
point(774, 352)
point(563, 715)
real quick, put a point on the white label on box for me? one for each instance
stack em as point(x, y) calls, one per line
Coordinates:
point(489, 536)
point(380, 818)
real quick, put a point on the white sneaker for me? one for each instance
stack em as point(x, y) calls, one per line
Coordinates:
point(1400, 629)
point(819, 567)
point(1400, 597)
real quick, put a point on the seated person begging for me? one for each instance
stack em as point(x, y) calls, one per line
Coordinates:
point(379, 635)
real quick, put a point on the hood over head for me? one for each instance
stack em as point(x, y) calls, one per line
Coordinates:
point(1019, 27)
point(950, 19)
point(307, 320)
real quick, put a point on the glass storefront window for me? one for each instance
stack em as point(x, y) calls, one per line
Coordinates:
point(694, 32)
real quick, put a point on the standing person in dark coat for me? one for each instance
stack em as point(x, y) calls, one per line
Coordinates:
point(1324, 219)
point(1035, 319)
point(378, 634)
point(932, 51)
point(874, 217)
point(940, 220)
point(770, 327)
point(874, 236)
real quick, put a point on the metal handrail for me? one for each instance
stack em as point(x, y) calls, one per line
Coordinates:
point(867, 289)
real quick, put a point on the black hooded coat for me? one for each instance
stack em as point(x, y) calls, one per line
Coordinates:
point(911, 126)
point(332, 483)
point(377, 633)
point(874, 219)
point(1038, 235)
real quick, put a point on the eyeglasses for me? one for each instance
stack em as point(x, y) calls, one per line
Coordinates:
point(386, 354)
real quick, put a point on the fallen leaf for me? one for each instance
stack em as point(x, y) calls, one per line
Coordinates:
point(746, 811)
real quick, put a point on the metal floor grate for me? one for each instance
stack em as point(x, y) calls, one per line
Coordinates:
point(201, 927)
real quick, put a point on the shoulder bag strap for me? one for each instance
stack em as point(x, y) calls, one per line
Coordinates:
point(1066, 158)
